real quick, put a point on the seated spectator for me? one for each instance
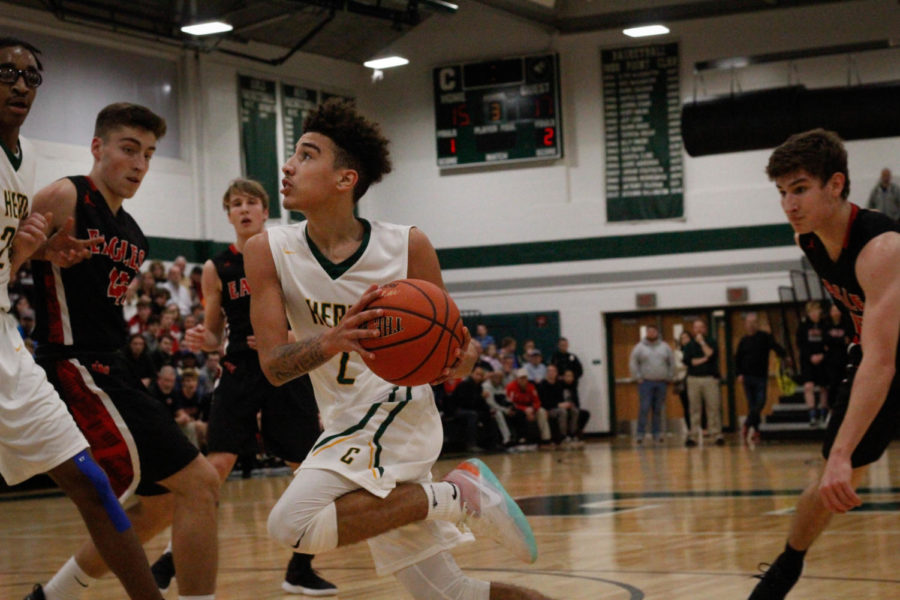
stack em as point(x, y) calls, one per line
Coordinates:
point(490, 358)
point(138, 359)
point(151, 335)
point(180, 295)
point(493, 389)
point(163, 356)
point(523, 395)
point(460, 425)
point(195, 286)
point(158, 271)
point(527, 347)
point(508, 348)
point(559, 405)
point(138, 323)
point(191, 409)
point(482, 336)
point(565, 360)
point(210, 372)
point(159, 298)
point(508, 367)
point(26, 323)
point(468, 397)
point(146, 285)
point(570, 394)
point(535, 366)
point(163, 389)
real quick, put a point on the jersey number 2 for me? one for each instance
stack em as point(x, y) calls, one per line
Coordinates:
point(6, 239)
point(342, 373)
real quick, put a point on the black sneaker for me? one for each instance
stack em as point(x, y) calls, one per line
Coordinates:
point(301, 578)
point(37, 593)
point(163, 571)
point(775, 582)
point(690, 443)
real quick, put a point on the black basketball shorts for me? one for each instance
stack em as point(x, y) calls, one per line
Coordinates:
point(883, 429)
point(289, 420)
point(132, 435)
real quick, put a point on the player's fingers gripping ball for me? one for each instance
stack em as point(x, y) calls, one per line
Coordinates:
point(420, 332)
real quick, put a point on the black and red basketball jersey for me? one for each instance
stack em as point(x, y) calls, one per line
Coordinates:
point(235, 297)
point(839, 277)
point(79, 309)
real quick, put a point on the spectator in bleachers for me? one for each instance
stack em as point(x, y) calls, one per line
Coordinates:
point(489, 357)
point(493, 390)
point(837, 339)
point(527, 347)
point(160, 298)
point(191, 409)
point(151, 334)
point(468, 396)
point(522, 394)
point(158, 270)
point(195, 285)
point(508, 348)
point(138, 359)
point(535, 366)
point(138, 323)
point(163, 355)
point(508, 367)
point(26, 323)
point(163, 389)
point(179, 294)
point(560, 410)
point(211, 370)
point(565, 360)
point(482, 336)
point(170, 323)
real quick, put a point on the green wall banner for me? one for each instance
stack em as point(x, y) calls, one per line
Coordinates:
point(642, 122)
point(259, 140)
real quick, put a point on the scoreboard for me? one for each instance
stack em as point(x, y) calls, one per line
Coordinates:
point(498, 111)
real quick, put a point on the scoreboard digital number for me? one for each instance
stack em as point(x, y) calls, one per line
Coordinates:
point(498, 111)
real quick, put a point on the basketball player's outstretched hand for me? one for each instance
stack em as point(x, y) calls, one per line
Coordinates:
point(835, 487)
point(345, 336)
point(65, 250)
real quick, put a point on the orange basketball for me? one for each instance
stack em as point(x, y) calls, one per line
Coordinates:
point(420, 332)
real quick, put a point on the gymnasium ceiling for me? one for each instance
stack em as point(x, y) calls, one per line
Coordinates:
point(356, 30)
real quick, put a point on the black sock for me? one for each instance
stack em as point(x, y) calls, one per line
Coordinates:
point(792, 558)
point(302, 560)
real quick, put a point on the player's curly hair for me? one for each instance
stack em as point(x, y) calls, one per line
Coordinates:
point(358, 142)
point(819, 152)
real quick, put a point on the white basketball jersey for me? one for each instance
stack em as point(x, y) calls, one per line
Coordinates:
point(376, 433)
point(16, 183)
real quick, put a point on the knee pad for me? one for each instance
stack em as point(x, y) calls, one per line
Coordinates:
point(439, 577)
point(98, 479)
point(304, 532)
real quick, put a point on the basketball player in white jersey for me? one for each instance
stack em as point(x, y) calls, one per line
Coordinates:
point(368, 477)
point(37, 433)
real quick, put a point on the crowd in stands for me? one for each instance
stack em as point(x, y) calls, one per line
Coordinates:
point(512, 401)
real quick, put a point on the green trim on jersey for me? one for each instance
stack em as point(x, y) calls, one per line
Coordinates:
point(376, 439)
point(372, 410)
point(15, 161)
point(336, 270)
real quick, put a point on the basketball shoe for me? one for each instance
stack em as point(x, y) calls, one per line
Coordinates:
point(776, 582)
point(163, 571)
point(301, 578)
point(37, 593)
point(490, 510)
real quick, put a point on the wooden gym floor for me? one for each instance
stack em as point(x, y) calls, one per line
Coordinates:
point(612, 521)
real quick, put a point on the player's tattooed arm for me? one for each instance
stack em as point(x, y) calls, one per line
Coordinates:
point(293, 360)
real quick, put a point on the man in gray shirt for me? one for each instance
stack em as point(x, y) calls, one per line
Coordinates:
point(885, 196)
point(653, 366)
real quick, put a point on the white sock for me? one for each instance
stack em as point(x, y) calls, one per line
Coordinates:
point(168, 548)
point(444, 503)
point(206, 597)
point(68, 583)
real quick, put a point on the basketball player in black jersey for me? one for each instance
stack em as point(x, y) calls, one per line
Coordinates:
point(856, 253)
point(290, 421)
point(81, 329)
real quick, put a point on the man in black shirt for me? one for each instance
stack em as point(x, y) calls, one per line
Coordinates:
point(565, 360)
point(702, 360)
point(855, 252)
point(752, 365)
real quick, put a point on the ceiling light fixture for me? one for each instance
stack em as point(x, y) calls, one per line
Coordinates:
point(646, 30)
point(386, 62)
point(208, 28)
